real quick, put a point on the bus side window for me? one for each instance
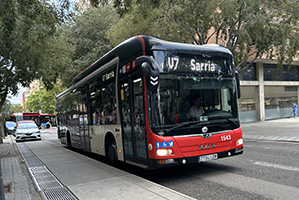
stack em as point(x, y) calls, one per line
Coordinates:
point(109, 104)
point(95, 103)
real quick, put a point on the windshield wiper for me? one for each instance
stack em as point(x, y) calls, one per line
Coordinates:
point(183, 125)
point(227, 119)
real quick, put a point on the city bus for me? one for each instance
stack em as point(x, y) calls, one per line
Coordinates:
point(132, 105)
point(34, 116)
point(39, 119)
point(47, 120)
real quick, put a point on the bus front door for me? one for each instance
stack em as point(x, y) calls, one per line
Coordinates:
point(132, 119)
point(83, 124)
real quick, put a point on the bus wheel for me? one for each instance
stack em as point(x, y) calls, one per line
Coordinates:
point(68, 140)
point(111, 153)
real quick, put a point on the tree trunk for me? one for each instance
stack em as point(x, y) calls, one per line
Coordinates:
point(1, 131)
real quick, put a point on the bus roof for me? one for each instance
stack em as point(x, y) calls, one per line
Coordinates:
point(45, 115)
point(31, 114)
point(143, 45)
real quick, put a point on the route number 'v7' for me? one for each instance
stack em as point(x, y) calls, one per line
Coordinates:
point(173, 63)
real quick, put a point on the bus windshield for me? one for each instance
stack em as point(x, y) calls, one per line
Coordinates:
point(185, 102)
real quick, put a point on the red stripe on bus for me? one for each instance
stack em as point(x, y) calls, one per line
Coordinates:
point(142, 43)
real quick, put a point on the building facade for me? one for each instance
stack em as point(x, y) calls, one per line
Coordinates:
point(267, 91)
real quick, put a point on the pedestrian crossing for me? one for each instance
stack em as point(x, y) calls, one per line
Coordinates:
point(275, 138)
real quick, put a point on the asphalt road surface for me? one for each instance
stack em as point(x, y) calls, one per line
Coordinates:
point(266, 170)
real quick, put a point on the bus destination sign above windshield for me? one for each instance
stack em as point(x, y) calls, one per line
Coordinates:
point(192, 63)
point(207, 66)
point(185, 64)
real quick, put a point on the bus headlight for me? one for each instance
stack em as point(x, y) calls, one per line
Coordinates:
point(164, 152)
point(240, 141)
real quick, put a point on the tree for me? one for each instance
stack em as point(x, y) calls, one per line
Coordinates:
point(87, 39)
point(43, 100)
point(33, 102)
point(6, 109)
point(122, 6)
point(16, 109)
point(249, 28)
point(26, 42)
point(142, 19)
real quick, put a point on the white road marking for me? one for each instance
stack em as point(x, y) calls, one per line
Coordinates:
point(265, 164)
point(248, 184)
point(273, 138)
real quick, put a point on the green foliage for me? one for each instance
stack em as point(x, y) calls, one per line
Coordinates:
point(122, 6)
point(36, 41)
point(43, 100)
point(87, 39)
point(16, 109)
point(33, 101)
point(142, 19)
point(59, 60)
point(27, 28)
point(249, 28)
point(7, 108)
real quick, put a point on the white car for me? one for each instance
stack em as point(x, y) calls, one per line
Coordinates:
point(27, 130)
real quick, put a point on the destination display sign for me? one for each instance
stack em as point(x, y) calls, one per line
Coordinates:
point(108, 76)
point(176, 63)
point(193, 63)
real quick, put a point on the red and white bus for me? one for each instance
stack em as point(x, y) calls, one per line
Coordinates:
point(39, 119)
point(34, 116)
point(132, 105)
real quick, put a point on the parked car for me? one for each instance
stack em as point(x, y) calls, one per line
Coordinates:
point(10, 126)
point(27, 130)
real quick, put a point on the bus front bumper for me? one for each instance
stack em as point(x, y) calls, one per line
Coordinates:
point(154, 163)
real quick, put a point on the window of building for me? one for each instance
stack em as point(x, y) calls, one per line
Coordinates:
point(290, 88)
point(248, 104)
point(249, 74)
point(272, 73)
point(278, 102)
point(248, 99)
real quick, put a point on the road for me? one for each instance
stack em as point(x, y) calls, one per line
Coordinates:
point(266, 170)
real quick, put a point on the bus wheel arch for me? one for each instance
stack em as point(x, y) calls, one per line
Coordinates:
point(111, 148)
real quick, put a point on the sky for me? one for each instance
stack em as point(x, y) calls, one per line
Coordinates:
point(18, 98)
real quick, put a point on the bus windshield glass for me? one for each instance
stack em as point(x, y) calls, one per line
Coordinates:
point(187, 99)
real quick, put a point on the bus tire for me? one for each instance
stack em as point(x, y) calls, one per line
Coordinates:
point(68, 140)
point(111, 153)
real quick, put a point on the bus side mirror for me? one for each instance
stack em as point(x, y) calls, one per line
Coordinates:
point(151, 72)
point(238, 84)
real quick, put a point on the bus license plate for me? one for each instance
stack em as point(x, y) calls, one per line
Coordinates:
point(207, 157)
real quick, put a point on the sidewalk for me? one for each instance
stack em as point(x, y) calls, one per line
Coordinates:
point(285, 129)
point(86, 177)
point(19, 185)
point(16, 181)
